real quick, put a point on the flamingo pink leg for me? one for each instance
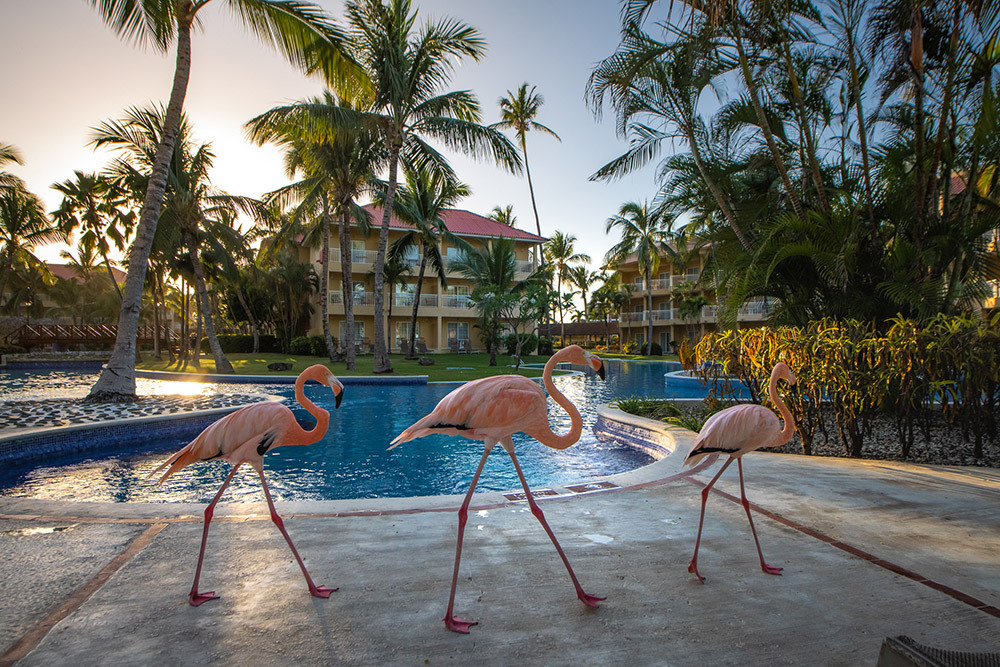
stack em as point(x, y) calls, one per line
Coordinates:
point(768, 569)
point(585, 598)
point(194, 597)
point(456, 624)
point(693, 565)
point(317, 591)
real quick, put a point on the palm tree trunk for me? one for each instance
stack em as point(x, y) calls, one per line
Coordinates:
point(412, 353)
point(222, 364)
point(562, 318)
point(381, 361)
point(156, 317)
point(347, 281)
point(810, 147)
point(117, 380)
point(324, 283)
point(852, 63)
point(254, 328)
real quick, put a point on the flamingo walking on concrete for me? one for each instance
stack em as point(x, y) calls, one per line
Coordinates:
point(244, 437)
point(492, 409)
point(735, 431)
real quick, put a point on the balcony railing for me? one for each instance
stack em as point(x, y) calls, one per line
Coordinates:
point(524, 267)
point(709, 311)
point(357, 256)
point(455, 301)
point(757, 307)
point(360, 298)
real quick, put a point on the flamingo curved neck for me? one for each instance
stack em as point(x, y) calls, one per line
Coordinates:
point(546, 436)
point(788, 430)
point(322, 416)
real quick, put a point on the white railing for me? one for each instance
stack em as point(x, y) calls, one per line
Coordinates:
point(639, 287)
point(709, 311)
point(360, 298)
point(524, 267)
point(402, 299)
point(455, 301)
point(757, 307)
point(357, 256)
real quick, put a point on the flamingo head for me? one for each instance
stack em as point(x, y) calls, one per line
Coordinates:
point(322, 374)
point(781, 370)
point(581, 356)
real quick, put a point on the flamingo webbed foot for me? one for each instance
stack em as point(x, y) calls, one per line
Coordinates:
point(322, 591)
point(197, 599)
point(770, 569)
point(588, 599)
point(455, 624)
point(693, 569)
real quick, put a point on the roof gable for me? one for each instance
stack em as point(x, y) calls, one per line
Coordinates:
point(465, 223)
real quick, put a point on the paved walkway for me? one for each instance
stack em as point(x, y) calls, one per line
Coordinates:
point(869, 550)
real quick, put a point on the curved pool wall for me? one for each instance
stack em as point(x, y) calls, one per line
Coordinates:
point(58, 451)
point(680, 384)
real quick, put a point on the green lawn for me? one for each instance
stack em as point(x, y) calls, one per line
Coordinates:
point(447, 366)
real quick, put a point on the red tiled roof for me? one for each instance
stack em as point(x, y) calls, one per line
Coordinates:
point(464, 223)
point(957, 184)
point(68, 272)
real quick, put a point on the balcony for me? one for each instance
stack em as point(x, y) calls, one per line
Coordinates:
point(757, 308)
point(357, 256)
point(709, 312)
point(457, 301)
point(360, 298)
point(524, 267)
point(659, 284)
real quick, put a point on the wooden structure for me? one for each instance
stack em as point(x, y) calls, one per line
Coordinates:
point(45, 335)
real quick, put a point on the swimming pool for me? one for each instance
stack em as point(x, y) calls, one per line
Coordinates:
point(352, 461)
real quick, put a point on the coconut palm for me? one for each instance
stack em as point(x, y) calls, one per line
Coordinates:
point(558, 251)
point(583, 279)
point(299, 30)
point(408, 68)
point(517, 112)
point(504, 215)
point(91, 204)
point(645, 234)
point(421, 203)
point(23, 227)
point(9, 154)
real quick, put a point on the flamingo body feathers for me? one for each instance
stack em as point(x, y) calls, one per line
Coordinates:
point(735, 431)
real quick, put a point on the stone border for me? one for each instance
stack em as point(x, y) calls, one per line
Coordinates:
point(649, 436)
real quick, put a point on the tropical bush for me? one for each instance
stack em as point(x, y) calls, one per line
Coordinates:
point(528, 345)
point(317, 345)
point(243, 343)
point(907, 372)
point(300, 345)
point(655, 352)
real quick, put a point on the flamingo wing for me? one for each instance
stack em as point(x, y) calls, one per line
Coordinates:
point(244, 435)
point(488, 408)
point(735, 431)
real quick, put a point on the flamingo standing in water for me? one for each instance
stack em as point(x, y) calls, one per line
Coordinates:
point(244, 437)
point(492, 409)
point(735, 431)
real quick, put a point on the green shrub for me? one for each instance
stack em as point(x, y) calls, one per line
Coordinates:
point(317, 345)
point(12, 349)
point(528, 346)
point(545, 346)
point(630, 347)
point(657, 350)
point(301, 346)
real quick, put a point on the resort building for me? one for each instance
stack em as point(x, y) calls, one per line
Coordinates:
point(682, 306)
point(446, 316)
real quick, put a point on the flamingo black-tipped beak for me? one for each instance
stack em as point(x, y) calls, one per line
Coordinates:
point(339, 398)
point(600, 371)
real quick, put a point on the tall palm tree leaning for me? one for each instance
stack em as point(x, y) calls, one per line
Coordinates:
point(517, 113)
point(298, 29)
point(407, 68)
point(642, 234)
point(421, 203)
point(559, 253)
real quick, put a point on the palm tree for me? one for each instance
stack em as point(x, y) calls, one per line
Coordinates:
point(339, 163)
point(517, 112)
point(583, 279)
point(407, 68)
point(8, 154)
point(491, 270)
point(505, 215)
point(422, 203)
point(298, 29)
point(559, 253)
point(91, 204)
point(644, 236)
point(23, 226)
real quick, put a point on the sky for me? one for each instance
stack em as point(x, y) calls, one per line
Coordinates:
point(65, 72)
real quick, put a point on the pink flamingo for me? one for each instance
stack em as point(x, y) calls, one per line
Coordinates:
point(736, 431)
point(244, 437)
point(492, 409)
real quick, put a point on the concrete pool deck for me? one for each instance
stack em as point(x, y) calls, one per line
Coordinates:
point(870, 549)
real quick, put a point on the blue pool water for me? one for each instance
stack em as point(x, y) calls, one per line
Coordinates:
point(352, 461)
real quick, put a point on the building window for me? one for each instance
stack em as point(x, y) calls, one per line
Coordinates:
point(458, 331)
point(403, 331)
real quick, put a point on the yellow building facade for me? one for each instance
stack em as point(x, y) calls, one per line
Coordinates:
point(446, 315)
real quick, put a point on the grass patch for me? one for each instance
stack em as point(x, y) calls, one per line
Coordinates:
point(472, 366)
